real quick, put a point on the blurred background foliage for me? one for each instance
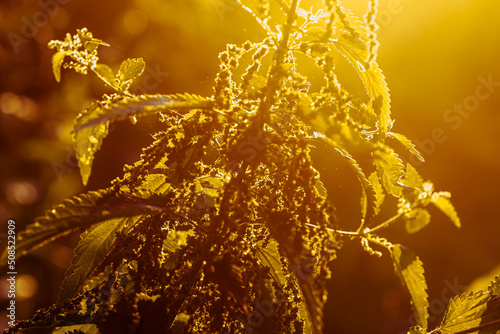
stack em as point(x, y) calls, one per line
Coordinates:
point(433, 53)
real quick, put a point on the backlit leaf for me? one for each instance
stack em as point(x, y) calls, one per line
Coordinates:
point(131, 68)
point(379, 192)
point(412, 178)
point(444, 204)
point(106, 74)
point(494, 287)
point(407, 143)
point(57, 61)
point(95, 244)
point(270, 257)
point(145, 105)
point(390, 169)
point(465, 313)
point(91, 126)
point(353, 44)
point(73, 214)
point(87, 141)
point(416, 220)
point(85, 328)
point(410, 270)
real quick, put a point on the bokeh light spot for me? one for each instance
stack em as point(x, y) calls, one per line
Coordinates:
point(21, 193)
point(135, 21)
point(19, 106)
point(27, 286)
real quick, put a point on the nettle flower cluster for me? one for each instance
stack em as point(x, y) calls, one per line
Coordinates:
point(224, 224)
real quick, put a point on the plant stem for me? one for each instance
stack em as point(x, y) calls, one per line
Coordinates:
point(387, 223)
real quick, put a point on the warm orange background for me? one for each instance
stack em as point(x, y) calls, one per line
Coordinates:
point(433, 53)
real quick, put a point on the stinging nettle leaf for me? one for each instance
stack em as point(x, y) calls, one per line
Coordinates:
point(406, 143)
point(444, 204)
point(74, 214)
point(106, 74)
point(57, 61)
point(145, 105)
point(87, 141)
point(416, 220)
point(270, 257)
point(410, 270)
point(465, 313)
point(412, 178)
point(353, 44)
point(131, 68)
point(379, 191)
point(390, 169)
point(95, 244)
point(85, 328)
point(91, 126)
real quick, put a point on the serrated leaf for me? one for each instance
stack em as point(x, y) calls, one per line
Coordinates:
point(379, 192)
point(174, 241)
point(95, 244)
point(313, 291)
point(57, 61)
point(85, 328)
point(87, 141)
point(465, 313)
point(131, 68)
point(417, 219)
point(412, 178)
point(91, 126)
point(494, 287)
point(106, 74)
point(270, 257)
point(390, 169)
point(444, 204)
point(353, 44)
point(406, 143)
point(73, 214)
point(410, 270)
point(145, 105)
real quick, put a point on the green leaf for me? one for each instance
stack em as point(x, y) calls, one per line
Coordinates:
point(74, 214)
point(465, 313)
point(444, 204)
point(106, 74)
point(145, 105)
point(406, 143)
point(87, 141)
point(171, 245)
point(412, 178)
point(298, 254)
point(410, 270)
point(95, 244)
point(57, 61)
point(91, 126)
point(131, 68)
point(270, 257)
point(353, 44)
point(379, 192)
point(494, 287)
point(416, 220)
point(390, 169)
point(85, 328)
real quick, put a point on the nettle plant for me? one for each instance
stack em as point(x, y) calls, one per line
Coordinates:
point(224, 225)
